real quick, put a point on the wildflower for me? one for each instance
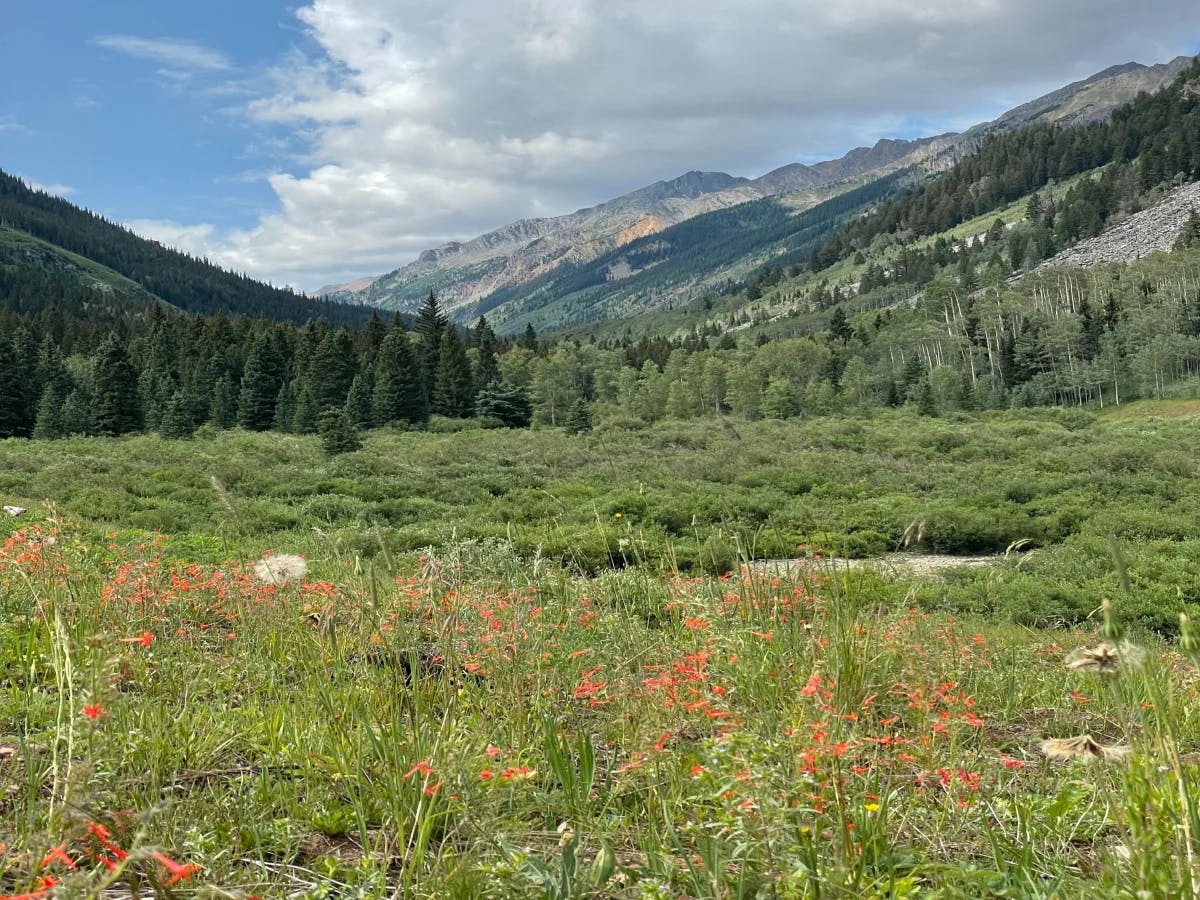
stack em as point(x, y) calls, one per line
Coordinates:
point(871, 807)
point(1082, 747)
point(486, 775)
point(1105, 658)
point(421, 768)
point(179, 871)
point(145, 639)
point(280, 569)
point(58, 854)
point(93, 711)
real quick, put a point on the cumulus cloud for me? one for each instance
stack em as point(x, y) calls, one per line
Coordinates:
point(198, 240)
point(174, 55)
point(438, 119)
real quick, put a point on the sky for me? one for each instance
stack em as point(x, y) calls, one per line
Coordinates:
point(315, 143)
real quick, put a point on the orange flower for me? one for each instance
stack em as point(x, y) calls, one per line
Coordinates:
point(421, 768)
point(145, 639)
point(179, 871)
point(93, 711)
point(58, 854)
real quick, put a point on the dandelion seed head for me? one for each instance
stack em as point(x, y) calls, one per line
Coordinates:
point(280, 569)
point(1083, 747)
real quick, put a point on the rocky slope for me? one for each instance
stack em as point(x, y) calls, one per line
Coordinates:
point(1143, 233)
point(466, 273)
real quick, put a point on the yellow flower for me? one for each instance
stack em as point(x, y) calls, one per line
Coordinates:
point(616, 515)
point(871, 807)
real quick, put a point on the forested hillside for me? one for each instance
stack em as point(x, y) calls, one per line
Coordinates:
point(182, 280)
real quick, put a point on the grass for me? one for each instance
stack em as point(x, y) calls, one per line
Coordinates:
point(480, 719)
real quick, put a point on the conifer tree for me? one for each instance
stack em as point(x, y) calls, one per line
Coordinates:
point(358, 402)
point(487, 368)
point(222, 409)
point(48, 423)
point(332, 369)
point(13, 421)
point(285, 407)
point(305, 418)
point(77, 413)
point(529, 339)
point(338, 435)
point(261, 381)
point(398, 395)
point(453, 393)
point(117, 405)
point(429, 326)
point(579, 418)
point(177, 421)
point(505, 403)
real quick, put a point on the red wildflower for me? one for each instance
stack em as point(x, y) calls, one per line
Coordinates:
point(421, 768)
point(94, 711)
point(58, 854)
point(145, 639)
point(179, 871)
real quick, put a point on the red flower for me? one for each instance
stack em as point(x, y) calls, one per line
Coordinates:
point(421, 768)
point(58, 854)
point(145, 639)
point(179, 871)
point(93, 711)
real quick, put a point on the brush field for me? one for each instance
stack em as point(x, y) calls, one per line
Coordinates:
point(531, 664)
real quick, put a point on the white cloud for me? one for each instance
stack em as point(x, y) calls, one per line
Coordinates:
point(175, 55)
point(195, 239)
point(438, 119)
point(13, 125)
point(57, 190)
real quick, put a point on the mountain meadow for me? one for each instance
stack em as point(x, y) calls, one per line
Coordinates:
point(850, 550)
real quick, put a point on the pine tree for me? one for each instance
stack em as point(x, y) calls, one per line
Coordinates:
point(48, 423)
point(453, 393)
point(338, 434)
point(177, 421)
point(77, 413)
point(285, 407)
point(487, 368)
point(398, 395)
point(222, 409)
point(505, 403)
point(529, 340)
point(358, 402)
point(332, 369)
point(261, 381)
point(579, 418)
point(13, 421)
point(117, 405)
point(839, 326)
point(429, 326)
point(305, 419)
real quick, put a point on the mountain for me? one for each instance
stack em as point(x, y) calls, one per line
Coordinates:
point(465, 273)
point(44, 233)
point(511, 271)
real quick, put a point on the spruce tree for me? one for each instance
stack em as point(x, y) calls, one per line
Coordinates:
point(77, 413)
point(177, 421)
point(358, 402)
point(117, 404)
point(222, 409)
point(338, 434)
point(453, 393)
point(261, 381)
point(13, 422)
point(429, 326)
point(579, 418)
point(285, 407)
point(332, 369)
point(487, 368)
point(505, 403)
point(529, 339)
point(305, 418)
point(49, 421)
point(398, 395)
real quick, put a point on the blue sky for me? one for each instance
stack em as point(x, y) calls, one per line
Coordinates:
point(312, 142)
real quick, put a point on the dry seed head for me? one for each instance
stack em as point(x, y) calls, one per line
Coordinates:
point(1083, 747)
point(1105, 658)
point(280, 569)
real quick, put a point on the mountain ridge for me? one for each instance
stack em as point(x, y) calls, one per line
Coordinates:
point(466, 274)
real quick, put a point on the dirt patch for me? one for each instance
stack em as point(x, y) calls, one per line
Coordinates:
point(909, 565)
